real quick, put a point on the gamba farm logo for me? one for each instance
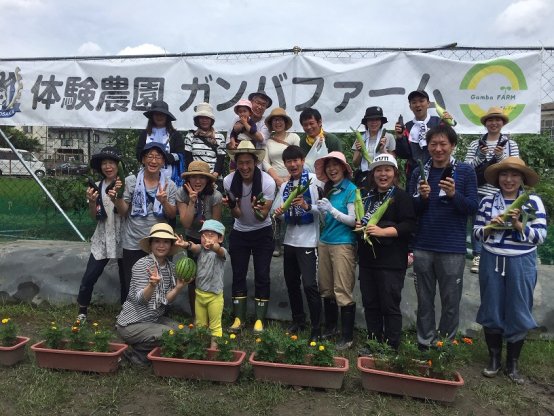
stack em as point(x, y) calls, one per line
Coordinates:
point(495, 83)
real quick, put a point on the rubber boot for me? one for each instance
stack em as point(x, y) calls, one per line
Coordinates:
point(239, 310)
point(494, 344)
point(261, 312)
point(513, 349)
point(331, 312)
point(347, 316)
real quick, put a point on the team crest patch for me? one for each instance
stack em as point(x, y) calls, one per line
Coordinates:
point(10, 92)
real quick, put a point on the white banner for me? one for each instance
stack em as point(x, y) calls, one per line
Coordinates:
point(115, 93)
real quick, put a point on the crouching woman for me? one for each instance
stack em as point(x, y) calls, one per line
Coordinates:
point(508, 266)
point(141, 322)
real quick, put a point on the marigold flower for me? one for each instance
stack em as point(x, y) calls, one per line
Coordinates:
point(5, 320)
point(294, 337)
point(440, 344)
point(52, 323)
point(455, 342)
point(313, 344)
point(226, 342)
point(468, 341)
point(95, 324)
point(321, 348)
point(232, 336)
point(430, 363)
point(75, 329)
point(191, 326)
point(171, 332)
point(181, 326)
point(54, 328)
point(258, 340)
point(77, 322)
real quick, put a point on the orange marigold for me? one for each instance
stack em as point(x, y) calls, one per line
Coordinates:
point(468, 341)
point(294, 337)
point(440, 344)
point(455, 342)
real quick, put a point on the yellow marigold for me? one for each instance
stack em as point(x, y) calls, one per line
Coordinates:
point(294, 337)
point(5, 320)
point(77, 322)
point(75, 329)
point(468, 341)
point(455, 342)
point(321, 348)
point(232, 336)
point(95, 324)
point(313, 344)
point(171, 332)
point(440, 344)
point(181, 326)
point(258, 340)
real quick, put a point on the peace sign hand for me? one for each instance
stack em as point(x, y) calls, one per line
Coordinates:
point(154, 278)
point(193, 195)
point(161, 195)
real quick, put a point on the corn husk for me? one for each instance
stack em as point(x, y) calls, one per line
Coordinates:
point(363, 148)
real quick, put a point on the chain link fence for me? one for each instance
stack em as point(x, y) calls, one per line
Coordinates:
point(26, 212)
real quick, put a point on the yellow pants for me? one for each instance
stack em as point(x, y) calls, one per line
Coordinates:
point(208, 308)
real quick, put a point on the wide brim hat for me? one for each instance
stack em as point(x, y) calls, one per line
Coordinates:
point(262, 94)
point(374, 113)
point(384, 159)
point(213, 225)
point(278, 112)
point(242, 103)
point(203, 110)
point(160, 230)
point(530, 177)
point(199, 168)
point(319, 165)
point(159, 107)
point(418, 93)
point(106, 153)
point(246, 146)
point(153, 145)
point(495, 112)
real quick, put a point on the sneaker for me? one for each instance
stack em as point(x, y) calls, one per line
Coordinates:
point(82, 317)
point(277, 252)
point(475, 265)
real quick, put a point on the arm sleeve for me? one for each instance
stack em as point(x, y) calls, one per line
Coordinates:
point(347, 219)
point(473, 156)
point(466, 199)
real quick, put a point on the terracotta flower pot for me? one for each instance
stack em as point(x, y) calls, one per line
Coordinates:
point(15, 353)
point(407, 385)
point(209, 369)
point(99, 362)
point(301, 375)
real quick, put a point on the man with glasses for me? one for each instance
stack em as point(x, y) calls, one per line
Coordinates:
point(260, 102)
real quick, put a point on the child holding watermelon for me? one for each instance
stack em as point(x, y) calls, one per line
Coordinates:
point(212, 256)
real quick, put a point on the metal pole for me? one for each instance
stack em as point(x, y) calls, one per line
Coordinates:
point(37, 180)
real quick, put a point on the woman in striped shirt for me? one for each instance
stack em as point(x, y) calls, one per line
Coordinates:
point(508, 271)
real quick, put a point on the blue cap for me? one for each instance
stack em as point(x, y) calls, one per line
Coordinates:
point(154, 145)
point(213, 225)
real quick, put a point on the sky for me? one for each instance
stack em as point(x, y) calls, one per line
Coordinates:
point(67, 28)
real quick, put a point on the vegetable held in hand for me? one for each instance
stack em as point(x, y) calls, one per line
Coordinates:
point(259, 200)
point(122, 174)
point(521, 202)
point(295, 193)
point(373, 220)
point(358, 206)
point(440, 111)
point(91, 184)
point(422, 171)
point(363, 148)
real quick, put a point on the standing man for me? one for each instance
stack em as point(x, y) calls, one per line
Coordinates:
point(260, 102)
point(300, 243)
point(249, 196)
point(311, 122)
point(444, 195)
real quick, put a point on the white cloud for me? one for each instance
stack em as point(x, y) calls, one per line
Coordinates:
point(524, 17)
point(89, 49)
point(144, 49)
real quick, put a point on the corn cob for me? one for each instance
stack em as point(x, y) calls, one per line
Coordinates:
point(296, 192)
point(521, 202)
point(363, 148)
point(440, 111)
point(373, 220)
point(358, 206)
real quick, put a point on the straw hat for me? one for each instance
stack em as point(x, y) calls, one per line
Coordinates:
point(159, 107)
point(203, 110)
point(246, 146)
point(530, 177)
point(495, 112)
point(199, 167)
point(278, 112)
point(160, 230)
point(319, 165)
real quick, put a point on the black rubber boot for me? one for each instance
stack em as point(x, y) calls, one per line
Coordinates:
point(494, 344)
point(513, 350)
point(298, 324)
point(331, 311)
point(261, 312)
point(239, 310)
point(347, 316)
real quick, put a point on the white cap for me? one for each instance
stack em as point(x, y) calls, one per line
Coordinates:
point(384, 159)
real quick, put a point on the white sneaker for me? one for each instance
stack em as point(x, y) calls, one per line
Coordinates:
point(475, 265)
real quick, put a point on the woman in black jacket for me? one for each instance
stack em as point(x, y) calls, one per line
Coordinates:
point(383, 265)
point(160, 129)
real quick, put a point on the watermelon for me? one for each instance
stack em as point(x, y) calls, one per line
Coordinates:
point(185, 269)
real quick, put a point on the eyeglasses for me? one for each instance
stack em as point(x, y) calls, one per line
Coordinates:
point(150, 158)
point(260, 102)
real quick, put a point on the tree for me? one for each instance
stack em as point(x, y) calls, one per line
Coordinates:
point(20, 140)
point(125, 140)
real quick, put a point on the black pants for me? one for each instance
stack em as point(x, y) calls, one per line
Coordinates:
point(242, 245)
point(92, 273)
point(302, 261)
point(130, 257)
point(381, 291)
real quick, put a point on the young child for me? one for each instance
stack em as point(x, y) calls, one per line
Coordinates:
point(209, 275)
point(245, 127)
